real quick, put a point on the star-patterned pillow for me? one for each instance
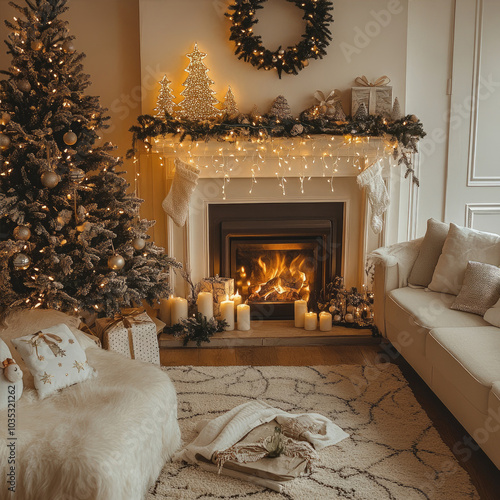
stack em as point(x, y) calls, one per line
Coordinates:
point(54, 358)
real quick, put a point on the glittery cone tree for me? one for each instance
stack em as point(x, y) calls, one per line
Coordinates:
point(229, 106)
point(199, 101)
point(70, 235)
point(165, 101)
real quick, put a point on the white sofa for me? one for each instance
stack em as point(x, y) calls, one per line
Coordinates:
point(456, 353)
point(106, 438)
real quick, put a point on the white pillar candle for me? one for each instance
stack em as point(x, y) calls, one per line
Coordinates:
point(227, 313)
point(164, 313)
point(243, 317)
point(178, 310)
point(237, 299)
point(205, 303)
point(325, 321)
point(299, 309)
point(310, 321)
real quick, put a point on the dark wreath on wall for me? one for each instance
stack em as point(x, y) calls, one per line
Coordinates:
point(291, 59)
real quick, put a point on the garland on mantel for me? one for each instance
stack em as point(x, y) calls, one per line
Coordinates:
point(403, 134)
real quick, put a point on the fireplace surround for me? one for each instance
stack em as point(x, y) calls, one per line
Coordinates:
point(276, 252)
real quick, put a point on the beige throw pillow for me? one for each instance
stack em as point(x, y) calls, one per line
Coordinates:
point(480, 290)
point(492, 315)
point(428, 255)
point(461, 246)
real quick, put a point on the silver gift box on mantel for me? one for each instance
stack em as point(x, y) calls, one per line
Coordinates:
point(376, 96)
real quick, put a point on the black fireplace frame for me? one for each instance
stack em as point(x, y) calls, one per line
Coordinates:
point(275, 222)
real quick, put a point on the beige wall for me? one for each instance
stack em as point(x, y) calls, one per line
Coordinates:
point(107, 31)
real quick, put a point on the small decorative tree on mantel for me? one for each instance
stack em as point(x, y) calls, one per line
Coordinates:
point(72, 238)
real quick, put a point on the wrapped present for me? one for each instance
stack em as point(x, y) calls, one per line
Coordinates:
point(132, 333)
point(327, 105)
point(376, 96)
point(220, 288)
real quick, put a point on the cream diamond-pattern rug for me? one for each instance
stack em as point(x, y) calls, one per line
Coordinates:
point(393, 451)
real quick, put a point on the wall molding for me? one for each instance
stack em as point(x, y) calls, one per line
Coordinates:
point(474, 209)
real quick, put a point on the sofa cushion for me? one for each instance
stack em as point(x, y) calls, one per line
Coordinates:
point(467, 357)
point(480, 289)
point(492, 315)
point(430, 250)
point(461, 246)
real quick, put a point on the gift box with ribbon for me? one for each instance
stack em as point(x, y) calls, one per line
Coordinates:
point(377, 96)
point(328, 106)
point(220, 288)
point(132, 333)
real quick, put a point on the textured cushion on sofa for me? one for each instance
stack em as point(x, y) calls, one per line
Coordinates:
point(467, 357)
point(430, 250)
point(461, 246)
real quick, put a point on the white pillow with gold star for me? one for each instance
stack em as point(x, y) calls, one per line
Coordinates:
point(54, 358)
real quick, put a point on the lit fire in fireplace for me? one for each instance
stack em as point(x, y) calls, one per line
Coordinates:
point(276, 277)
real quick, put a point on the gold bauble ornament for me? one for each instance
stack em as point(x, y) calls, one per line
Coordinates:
point(138, 243)
point(413, 119)
point(70, 138)
point(36, 45)
point(24, 85)
point(349, 318)
point(5, 119)
point(116, 262)
point(305, 63)
point(76, 175)
point(50, 179)
point(22, 233)
point(68, 46)
point(21, 262)
point(4, 141)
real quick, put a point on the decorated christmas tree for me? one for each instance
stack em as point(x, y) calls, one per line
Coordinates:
point(199, 101)
point(71, 236)
point(280, 108)
point(165, 101)
point(229, 105)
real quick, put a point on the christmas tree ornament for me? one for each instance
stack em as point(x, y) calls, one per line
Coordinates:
point(199, 100)
point(297, 129)
point(36, 45)
point(76, 175)
point(70, 138)
point(165, 100)
point(5, 119)
point(229, 106)
point(24, 85)
point(413, 119)
point(176, 204)
point(22, 233)
point(50, 179)
point(280, 109)
point(68, 47)
point(396, 110)
point(315, 39)
point(116, 262)
point(21, 262)
point(138, 243)
point(4, 141)
point(339, 116)
point(362, 112)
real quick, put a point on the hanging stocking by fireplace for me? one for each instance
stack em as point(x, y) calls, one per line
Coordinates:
point(176, 204)
point(372, 180)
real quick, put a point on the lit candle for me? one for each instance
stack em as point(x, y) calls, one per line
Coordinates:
point(237, 299)
point(310, 321)
point(243, 317)
point(205, 303)
point(178, 310)
point(164, 313)
point(300, 309)
point(227, 313)
point(325, 321)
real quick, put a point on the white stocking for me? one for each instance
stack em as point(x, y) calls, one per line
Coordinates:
point(176, 204)
point(372, 180)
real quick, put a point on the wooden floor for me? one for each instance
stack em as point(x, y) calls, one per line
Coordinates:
point(485, 476)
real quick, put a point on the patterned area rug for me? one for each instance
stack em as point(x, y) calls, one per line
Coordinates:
point(393, 451)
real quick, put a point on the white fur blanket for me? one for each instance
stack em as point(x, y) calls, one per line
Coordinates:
point(103, 439)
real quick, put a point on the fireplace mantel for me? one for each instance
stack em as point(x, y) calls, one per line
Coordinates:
point(312, 156)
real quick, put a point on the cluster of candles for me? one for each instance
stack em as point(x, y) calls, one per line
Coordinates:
point(175, 309)
point(309, 320)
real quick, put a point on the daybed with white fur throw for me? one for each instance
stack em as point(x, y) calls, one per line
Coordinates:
point(106, 438)
point(437, 300)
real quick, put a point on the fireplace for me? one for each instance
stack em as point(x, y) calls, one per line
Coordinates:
point(276, 252)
